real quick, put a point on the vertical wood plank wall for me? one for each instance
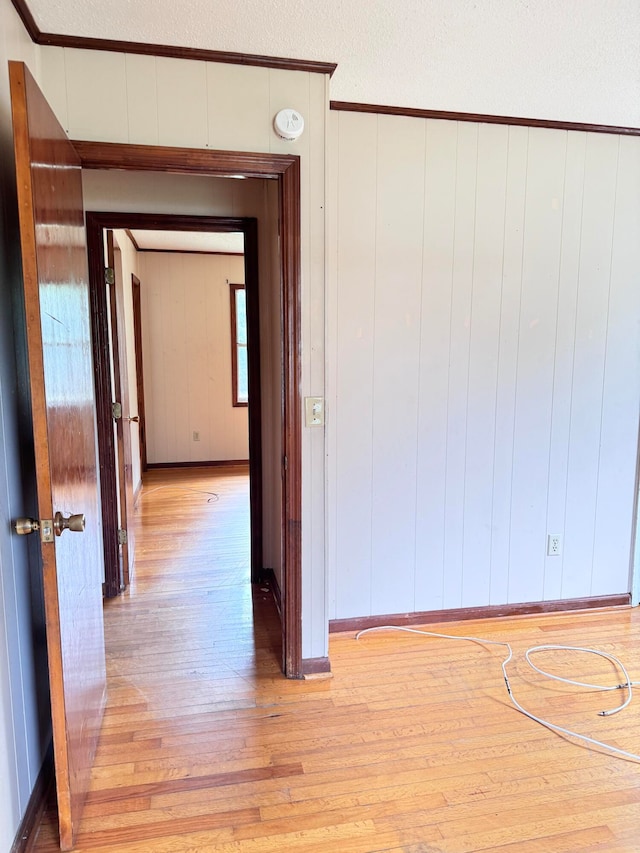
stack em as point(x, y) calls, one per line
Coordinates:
point(482, 362)
point(186, 347)
point(153, 100)
point(484, 284)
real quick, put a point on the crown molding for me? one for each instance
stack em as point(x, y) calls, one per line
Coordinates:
point(379, 109)
point(173, 51)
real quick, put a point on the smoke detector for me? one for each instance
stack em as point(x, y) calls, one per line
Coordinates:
point(288, 124)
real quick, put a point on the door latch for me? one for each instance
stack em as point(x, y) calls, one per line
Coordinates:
point(24, 526)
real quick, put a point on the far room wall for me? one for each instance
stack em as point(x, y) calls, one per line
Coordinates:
point(186, 323)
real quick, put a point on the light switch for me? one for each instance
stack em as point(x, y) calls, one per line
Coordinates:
point(314, 411)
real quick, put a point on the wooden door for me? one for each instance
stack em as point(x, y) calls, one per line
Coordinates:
point(62, 397)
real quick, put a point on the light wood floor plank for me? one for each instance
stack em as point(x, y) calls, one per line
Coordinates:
point(412, 746)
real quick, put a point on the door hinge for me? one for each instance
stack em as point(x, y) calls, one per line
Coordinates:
point(122, 536)
point(116, 411)
point(109, 275)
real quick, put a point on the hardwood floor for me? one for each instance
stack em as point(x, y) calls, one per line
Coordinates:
point(412, 746)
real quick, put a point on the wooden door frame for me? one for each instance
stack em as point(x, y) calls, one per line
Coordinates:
point(97, 223)
point(285, 169)
point(118, 393)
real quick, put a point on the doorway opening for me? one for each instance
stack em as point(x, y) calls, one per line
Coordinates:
point(195, 414)
point(284, 171)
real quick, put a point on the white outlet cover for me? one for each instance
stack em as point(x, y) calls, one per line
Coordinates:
point(554, 545)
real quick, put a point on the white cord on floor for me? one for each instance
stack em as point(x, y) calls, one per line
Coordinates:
point(627, 684)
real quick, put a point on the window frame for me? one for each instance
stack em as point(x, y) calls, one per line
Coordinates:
point(233, 288)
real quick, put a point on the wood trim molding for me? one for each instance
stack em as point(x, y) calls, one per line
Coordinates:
point(27, 19)
point(379, 109)
point(189, 252)
point(233, 338)
point(289, 205)
point(136, 300)
point(183, 161)
point(268, 578)
point(491, 611)
point(210, 463)
point(174, 51)
point(104, 416)
point(96, 221)
point(35, 807)
point(285, 168)
point(316, 666)
point(129, 234)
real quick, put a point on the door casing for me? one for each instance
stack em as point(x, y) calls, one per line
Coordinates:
point(285, 169)
point(97, 222)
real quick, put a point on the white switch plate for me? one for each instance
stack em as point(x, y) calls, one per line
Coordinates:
point(314, 411)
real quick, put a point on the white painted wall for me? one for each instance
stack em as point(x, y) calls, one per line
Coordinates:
point(24, 727)
point(485, 366)
point(186, 350)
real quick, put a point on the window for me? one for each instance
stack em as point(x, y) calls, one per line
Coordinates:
point(239, 375)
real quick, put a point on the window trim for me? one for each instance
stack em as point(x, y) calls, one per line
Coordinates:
point(233, 288)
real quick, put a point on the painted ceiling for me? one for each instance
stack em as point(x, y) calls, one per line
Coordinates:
point(573, 60)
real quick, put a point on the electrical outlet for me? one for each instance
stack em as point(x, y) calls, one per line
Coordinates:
point(196, 435)
point(554, 545)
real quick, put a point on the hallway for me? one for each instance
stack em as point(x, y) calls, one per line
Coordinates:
point(190, 646)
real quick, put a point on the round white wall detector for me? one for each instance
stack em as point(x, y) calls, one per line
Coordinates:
point(288, 124)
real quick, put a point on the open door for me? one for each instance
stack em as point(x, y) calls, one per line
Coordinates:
point(63, 407)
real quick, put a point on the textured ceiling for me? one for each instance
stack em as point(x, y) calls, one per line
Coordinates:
point(573, 60)
point(189, 241)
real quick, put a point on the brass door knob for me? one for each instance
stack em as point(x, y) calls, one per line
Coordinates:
point(75, 523)
point(23, 526)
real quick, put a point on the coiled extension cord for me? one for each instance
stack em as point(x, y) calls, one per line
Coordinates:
point(627, 684)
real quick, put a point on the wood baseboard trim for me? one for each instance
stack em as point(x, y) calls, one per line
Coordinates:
point(36, 806)
point(380, 109)
point(222, 463)
point(491, 611)
point(314, 667)
point(174, 51)
point(268, 578)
